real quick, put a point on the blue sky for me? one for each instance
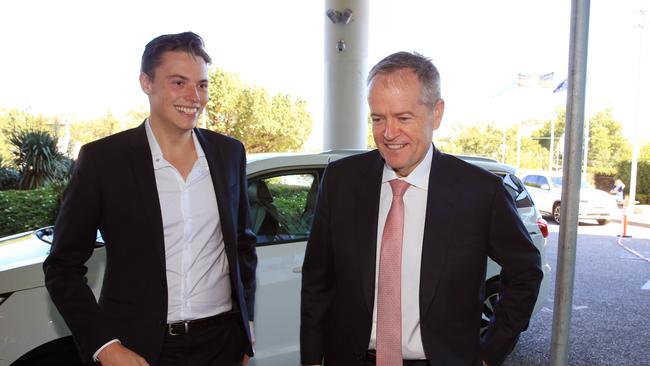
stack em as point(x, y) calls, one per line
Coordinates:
point(81, 58)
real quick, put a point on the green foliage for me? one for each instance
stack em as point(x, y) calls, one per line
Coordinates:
point(263, 123)
point(28, 210)
point(644, 153)
point(642, 176)
point(37, 158)
point(87, 131)
point(543, 134)
point(487, 140)
point(11, 119)
point(607, 146)
point(8, 178)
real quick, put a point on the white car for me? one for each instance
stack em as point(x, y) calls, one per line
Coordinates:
point(282, 193)
point(546, 190)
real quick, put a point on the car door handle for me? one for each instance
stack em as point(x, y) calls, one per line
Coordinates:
point(297, 269)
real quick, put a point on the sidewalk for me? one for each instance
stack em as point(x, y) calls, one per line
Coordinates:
point(640, 216)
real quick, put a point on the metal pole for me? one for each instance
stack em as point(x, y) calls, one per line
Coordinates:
point(573, 144)
point(551, 148)
point(635, 139)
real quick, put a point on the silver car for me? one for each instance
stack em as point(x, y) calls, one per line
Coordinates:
point(546, 190)
point(282, 192)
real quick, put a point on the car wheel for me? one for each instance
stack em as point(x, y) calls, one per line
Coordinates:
point(492, 288)
point(602, 221)
point(556, 212)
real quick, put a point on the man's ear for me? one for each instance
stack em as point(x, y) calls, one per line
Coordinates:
point(145, 83)
point(438, 112)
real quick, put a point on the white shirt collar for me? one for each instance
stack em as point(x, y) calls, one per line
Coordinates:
point(157, 155)
point(419, 177)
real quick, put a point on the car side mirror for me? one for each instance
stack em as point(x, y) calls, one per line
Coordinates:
point(545, 186)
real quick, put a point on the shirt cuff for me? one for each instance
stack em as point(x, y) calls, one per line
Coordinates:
point(102, 348)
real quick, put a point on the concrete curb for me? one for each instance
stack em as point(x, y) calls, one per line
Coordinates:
point(634, 223)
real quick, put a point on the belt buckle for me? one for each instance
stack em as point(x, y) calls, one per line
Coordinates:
point(170, 328)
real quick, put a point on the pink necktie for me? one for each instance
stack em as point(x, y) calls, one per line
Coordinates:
point(389, 299)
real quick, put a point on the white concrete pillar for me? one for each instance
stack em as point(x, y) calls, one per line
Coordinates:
point(346, 69)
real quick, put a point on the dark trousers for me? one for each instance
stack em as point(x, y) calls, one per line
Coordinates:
point(221, 344)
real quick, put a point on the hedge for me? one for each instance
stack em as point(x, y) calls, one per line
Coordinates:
point(642, 179)
point(28, 210)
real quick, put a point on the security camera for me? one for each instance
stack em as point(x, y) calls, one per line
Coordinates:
point(340, 45)
point(334, 15)
point(345, 16)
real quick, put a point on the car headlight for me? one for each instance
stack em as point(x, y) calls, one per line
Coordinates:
point(4, 297)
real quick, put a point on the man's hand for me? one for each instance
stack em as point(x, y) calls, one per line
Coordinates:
point(247, 358)
point(485, 363)
point(115, 354)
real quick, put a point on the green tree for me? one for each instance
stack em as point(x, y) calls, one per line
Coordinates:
point(543, 134)
point(11, 119)
point(607, 145)
point(483, 139)
point(644, 153)
point(263, 123)
point(86, 131)
point(37, 158)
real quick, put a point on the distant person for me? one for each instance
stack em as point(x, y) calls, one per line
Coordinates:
point(171, 203)
point(394, 270)
point(618, 189)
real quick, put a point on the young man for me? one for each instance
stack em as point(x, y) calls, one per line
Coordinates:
point(395, 263)
point(171, 203)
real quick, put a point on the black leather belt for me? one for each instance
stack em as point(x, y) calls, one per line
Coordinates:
point(185, 327)
point(371, 357)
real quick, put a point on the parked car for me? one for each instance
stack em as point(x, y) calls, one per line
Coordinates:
point(546, 190)
point(282, 192)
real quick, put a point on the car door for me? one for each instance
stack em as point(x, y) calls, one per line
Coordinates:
point(282, 208)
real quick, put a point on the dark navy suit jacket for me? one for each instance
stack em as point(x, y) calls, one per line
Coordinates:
point(469, 216)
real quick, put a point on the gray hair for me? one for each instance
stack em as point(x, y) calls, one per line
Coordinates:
point(425, 70)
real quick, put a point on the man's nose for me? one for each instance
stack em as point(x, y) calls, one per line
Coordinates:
point(392, 129)
point(193, 93)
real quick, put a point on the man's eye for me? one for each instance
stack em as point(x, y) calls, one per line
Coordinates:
point(179, 82)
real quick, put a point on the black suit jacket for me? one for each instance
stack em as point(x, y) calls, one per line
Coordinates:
point(469, 216)
point(113, 189)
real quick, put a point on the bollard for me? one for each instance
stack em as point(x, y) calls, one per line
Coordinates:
point(624, 234)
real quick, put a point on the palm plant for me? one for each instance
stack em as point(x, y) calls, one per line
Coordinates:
point(36, 156)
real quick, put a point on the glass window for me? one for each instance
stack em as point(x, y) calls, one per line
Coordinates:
point(517, 191)
point(282, 206)
point(531, 181)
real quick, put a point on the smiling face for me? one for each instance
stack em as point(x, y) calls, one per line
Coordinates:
point(178, 91)
point(402, 125)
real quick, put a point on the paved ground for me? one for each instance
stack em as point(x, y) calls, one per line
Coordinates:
point(611, 305)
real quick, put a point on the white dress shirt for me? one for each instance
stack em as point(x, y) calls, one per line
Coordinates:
point(415, 205)
point(198, 283)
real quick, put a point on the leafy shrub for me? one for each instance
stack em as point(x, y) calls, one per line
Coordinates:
point(8, 179)
point(28, 210)
point(37, 158)
point(642, 176)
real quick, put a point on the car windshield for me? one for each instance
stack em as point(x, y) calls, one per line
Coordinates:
point(557, 182)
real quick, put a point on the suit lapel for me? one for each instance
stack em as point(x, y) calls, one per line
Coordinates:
point(366, 213)
point(142, 165)
point(438, 229)
point(215, 157)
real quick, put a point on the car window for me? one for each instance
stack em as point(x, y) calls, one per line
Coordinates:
point(282, 206)
point(516, 189)
point(531, 181)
